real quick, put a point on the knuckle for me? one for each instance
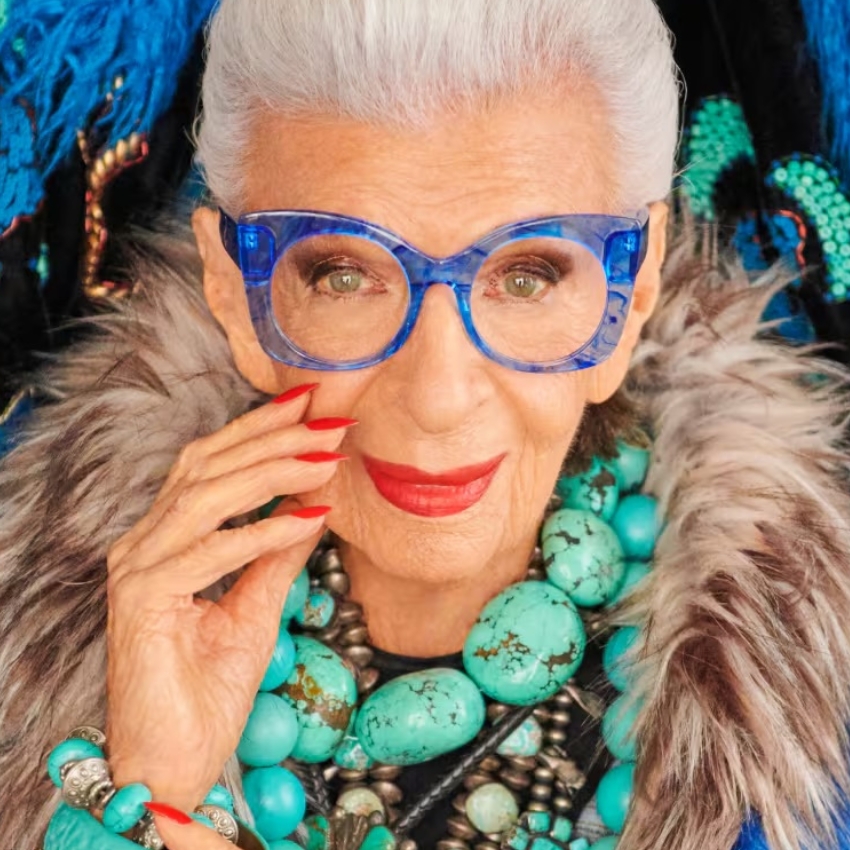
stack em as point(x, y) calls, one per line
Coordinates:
point(189, 463)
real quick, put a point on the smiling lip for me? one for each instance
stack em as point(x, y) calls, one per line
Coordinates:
point(431, 494)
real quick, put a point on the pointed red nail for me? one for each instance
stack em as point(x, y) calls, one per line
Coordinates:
point(168, 812)
point(311, 512)
point(293, 393)
point(320, 457)
point(329, 423)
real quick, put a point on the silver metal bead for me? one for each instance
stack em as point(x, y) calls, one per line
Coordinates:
point(537, 806)
point(486, 845)
point(544, 775)
point(389, 792)
point(354, 635)
point(516, 780)
point(353, 776)
point(367, 678)
point(224, 822)
point(540, 792)
point(377, 818)
point(327, 635)
point(452, 844)
point(149, 838)
point(541, 713)
point(338, 583)
point(556, 736)
point(360, 655)
point(460, 827)
point(385, 771)
point(81, 778)
point(496, 710)
point(459, 803)
point(565, 698)
point(349, 612)
point(408, 844)
point(89, 733)
point(328, 562)
point(329, 772)
point(476, 780)
point(560, 718)
point(561, 805)
point(524, 763)
point(490, 763)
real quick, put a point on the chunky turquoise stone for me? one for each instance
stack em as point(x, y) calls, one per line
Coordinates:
point(282, 662)
point(323, 693)
point(630, 466)
point(284, 844)
point(221, 797)
point(541, 842)
point(539, 821)
point(579, 844)
point(379, 838)
point(617, 669)
point(562, 829)
point(350, 755)
point(607, 843)
point(614, 795)
point(271, 732)
point(636, 523)
point(582, 556)
point(127, 807)
point(516, 838)
point(74, 749)
point(617, 725)
point(419, 716)
point(297, 596)
point(317, 611)
point(523, 741)
point(636, 572)
point(526, 643)
point(491, 808)
point(276, 800)
point(318, 832)
point(595, 490)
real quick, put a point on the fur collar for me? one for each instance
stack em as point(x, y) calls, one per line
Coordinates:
point(746, 665)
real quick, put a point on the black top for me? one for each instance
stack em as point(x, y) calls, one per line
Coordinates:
point(583, 745)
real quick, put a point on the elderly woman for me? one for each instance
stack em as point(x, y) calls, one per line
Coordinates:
point(418, 512)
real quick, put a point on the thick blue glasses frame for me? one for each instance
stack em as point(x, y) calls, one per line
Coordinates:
point(258, 240)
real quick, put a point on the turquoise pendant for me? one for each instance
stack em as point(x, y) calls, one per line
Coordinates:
point(420, 716)
point(323, 693)
point(525, 645)
point(582, 556)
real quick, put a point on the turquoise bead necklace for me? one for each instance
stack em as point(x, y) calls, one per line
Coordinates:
point(321, 715)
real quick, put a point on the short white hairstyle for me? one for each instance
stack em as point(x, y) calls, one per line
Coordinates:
point(402, 61)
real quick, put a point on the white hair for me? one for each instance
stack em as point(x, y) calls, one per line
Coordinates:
point(401, 61)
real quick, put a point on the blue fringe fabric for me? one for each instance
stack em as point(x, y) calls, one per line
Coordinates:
point(828, 27)
point(58, 61)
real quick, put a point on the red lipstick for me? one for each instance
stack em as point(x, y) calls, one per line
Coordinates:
point(431, 494)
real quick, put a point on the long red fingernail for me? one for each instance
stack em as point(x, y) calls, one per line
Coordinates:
point(295, 392)
point(320, 457)
point(312, 512)
point(329, 423)
point(168, 812)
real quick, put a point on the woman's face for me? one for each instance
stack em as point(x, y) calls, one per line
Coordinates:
point(438, 405)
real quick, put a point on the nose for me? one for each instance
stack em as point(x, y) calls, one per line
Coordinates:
point(441, 375)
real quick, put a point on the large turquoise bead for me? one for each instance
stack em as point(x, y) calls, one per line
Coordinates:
point(630, 466)
point(317, 611)
point(127, 807)
point(618, 727)
point(276, 799)
point(614, 795)
point(282, 662)
point(617, 668)
point(270, 734)
point(73, 749)
point(582, 556)
point(323, 693)
point(491, 808)
point(595, 490)
point(607, 843)
point(526, 740)
point(318, 832)
point(419, 716)
point(221, 797)
point(636, 523)
point(526, 643)
point(636, 572)
point(297, 596)
point(379, 838)
point(284, 844)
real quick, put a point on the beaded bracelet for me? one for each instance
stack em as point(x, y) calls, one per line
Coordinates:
point(79, 768)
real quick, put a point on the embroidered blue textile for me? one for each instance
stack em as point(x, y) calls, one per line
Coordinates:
point(59, 59)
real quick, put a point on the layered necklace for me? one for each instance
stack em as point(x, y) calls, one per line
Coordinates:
point(326, 736)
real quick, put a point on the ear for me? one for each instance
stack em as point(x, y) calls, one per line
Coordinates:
point(605, 379)
point(225, 296)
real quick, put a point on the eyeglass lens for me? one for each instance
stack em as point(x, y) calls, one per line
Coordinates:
point(339, 297)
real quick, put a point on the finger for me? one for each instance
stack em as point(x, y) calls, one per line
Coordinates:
point(199, 509)
point(189, 836)
point(250, 425)
point(283, 442)
point(208, 560)
point(259, 594)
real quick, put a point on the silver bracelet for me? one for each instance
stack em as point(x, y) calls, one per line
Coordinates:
point(87, 784)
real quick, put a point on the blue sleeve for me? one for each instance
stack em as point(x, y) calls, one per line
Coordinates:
point(752, 835)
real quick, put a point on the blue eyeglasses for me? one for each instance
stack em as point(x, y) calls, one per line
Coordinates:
point(331, 292)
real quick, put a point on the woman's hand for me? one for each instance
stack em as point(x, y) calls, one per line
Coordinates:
point(183, 671)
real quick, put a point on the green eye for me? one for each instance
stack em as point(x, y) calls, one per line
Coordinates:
point(520, 284)
point(345, 281)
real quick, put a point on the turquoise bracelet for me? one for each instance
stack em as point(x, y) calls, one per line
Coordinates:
point(74, 829)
